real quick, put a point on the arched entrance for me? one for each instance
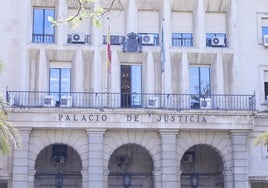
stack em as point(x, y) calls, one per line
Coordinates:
point(58, 165)
point(202, 166)
point(133, 164)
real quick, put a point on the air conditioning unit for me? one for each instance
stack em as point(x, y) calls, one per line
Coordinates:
point(205, 103)
point(49, 101)
point(122, 159)
point(265, 40)
point(78, 38)
point(147, 39)
point(58, 159)
point(187, 158)
point(153, 102)
point(217, 41)
point(66, 101)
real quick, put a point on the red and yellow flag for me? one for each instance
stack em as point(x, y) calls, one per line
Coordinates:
point(109, 52)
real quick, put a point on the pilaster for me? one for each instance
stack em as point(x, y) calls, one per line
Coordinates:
point(200, 25)
point(21, 160)
point(240, 158)
point(169, 158)
point(95, 158)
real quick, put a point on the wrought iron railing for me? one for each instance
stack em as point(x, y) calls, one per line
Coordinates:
point(18, 99)
point(43, 38)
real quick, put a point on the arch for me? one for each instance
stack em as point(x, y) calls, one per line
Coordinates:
point(219, 141)
point(40, 139)
point(133, 160)
point(149, 140)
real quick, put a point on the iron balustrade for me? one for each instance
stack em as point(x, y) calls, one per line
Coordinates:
point(33, 99)
point(43, 38)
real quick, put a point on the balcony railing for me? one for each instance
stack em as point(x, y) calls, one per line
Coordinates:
point(30, 99)
point(43, 38)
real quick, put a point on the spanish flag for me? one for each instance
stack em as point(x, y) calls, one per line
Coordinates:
point(109, 52)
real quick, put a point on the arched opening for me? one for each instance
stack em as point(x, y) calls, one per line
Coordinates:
point(58, 165)
point(130, 166)
point(202, 166)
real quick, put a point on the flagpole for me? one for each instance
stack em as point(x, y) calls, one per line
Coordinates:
point(108, 59)
point(162, 58)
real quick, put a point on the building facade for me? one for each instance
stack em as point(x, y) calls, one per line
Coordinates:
point(179, 105)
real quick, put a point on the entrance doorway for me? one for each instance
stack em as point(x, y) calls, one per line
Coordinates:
point(58, 165)
point(202, 166)
point(130, 166)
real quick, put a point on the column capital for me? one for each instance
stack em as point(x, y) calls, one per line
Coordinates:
point(95, 131)
point(168, 132)
point(238, 132)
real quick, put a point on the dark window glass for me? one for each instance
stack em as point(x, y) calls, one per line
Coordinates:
point(266, 90)
point(131, 85)
point(42, 30)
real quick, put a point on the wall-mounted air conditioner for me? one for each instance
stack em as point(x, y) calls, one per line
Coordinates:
point(217, 41)
point(265, 40)
point(66, 101)
point(49, 101)
point(147, 39)
point(205, 103)
point(153, 102)
point(78, 38)
point(122, 159)
point(188, 157)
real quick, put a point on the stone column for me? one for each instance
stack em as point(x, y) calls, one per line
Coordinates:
point(21, 161)
point(169, 158)
point(95, 158)
point(200, 25)
point(240, 158)
point(150, 76)
point(166, 24)
point(62, 28)
point(78, 69)
point(219, 69)
point(42, 71)
point(132, 17)
point(231, 24)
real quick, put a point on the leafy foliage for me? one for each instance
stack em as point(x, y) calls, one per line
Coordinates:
point(8, 134)
point(262, 139)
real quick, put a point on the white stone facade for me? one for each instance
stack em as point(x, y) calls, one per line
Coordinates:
point(167, 145)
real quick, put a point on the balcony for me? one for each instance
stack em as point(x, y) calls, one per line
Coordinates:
point(30, 99)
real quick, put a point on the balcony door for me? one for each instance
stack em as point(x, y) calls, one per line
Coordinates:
point(199, 85)
point(59, 82)
point(131, 86)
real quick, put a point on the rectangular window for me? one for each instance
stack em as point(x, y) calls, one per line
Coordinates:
point(182, 39)
point(131, 86)
point(199, 85)
point(266, 84)
point(59, 83)
point(42, 30)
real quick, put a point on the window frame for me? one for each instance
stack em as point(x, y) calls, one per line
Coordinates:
point(44, 36)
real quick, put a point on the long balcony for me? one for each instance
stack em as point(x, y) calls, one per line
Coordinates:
point(30, 99)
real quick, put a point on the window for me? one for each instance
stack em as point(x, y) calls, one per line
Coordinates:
point(182, 39)
point(199, 85)
point(264, 31)
point(265, 85)
point(131, 86)
point(216, 40)
point(59, 83)
point(42, 30)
